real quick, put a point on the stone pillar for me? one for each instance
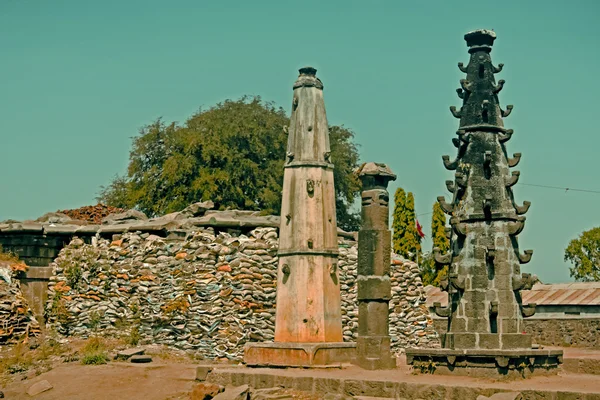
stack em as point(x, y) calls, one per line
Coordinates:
point(485, 310)
point(308, 325)
point(374, 286)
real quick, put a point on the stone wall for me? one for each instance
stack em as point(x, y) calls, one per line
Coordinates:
point(576, 332)
point(208, 293)
point(571, 331)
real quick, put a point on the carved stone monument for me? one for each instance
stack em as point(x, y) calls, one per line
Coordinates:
point(308, 325)
point(374, 285)
point(485, 311)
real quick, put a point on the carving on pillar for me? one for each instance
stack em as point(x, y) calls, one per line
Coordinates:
point(374, 285)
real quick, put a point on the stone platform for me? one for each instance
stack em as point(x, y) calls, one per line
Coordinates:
point(402, 383)
point(499, 363)
point(285, 354)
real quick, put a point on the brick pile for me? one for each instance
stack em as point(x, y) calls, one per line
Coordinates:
point(92, 214)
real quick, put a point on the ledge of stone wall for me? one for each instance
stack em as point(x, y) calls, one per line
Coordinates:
point(209, 293)
point(247, 220)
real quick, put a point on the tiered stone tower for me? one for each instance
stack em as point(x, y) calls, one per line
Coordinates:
point(308, 325)
point(485, 312)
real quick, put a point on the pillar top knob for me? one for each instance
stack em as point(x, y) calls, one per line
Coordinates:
point(375, 174)
point(480, 39)
point(308, 78)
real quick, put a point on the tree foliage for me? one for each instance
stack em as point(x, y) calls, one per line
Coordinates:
point(398, 224)
point(406, 240)
point(411, 242)
point(232, 154)
point(431, 274)
point(584, 254)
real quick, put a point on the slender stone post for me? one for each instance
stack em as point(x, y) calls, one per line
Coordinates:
point(308, 320)
point(374, 286)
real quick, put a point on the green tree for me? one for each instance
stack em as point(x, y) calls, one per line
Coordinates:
point(584, 254)
point(410, 246)
point(431, 274)
point(398, 224)
point(232, 154)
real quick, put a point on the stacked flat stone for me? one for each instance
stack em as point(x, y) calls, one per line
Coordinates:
point(16, 318)
point(208, 294)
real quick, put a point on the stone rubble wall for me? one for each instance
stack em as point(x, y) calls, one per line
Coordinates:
point(208, 294)
point(17, 321)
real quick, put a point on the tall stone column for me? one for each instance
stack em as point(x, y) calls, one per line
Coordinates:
point(374, 286)
point(308, 325)
point(485, 310)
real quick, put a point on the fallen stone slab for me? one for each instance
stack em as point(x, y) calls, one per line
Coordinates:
point(140, 359)
point(337, 396)
point(205, 391)
point(128, 353)
point(273, 393)
point(234, 393)
point(39, 387)
point(502, 396)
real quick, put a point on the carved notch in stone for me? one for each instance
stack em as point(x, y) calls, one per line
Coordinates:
point(528, 310)
point(460, 228)
point(440, 258)
point(516, 227)
point(512, 162)
point(524, 208)
point(461, 179)
point(455, 113)
point(450, 165)
point(506, 113)
point(513, 179)
point(447, 208)
point(505, 137)
point(441, 311)
point(456, 281)
point(310, 187)
point(493, 308)
point(525, 257)
point(499, 86)
point(450, 186)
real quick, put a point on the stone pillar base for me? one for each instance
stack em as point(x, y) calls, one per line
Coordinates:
point(285, 354)
point(373, 352)
point(475, 340)
point(485, 363)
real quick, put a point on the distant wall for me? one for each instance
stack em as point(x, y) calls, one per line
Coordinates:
point(561, 331)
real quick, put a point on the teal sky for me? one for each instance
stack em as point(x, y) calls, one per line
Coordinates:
point(78, 78)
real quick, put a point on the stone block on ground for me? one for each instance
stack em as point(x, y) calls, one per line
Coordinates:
point(335, 396)
point(39, 387)
point(140, 359)
point(274, 393)
point(205, 391)
point(502, 396)
point(202, 372)
point(234, 393)
point(128, 353)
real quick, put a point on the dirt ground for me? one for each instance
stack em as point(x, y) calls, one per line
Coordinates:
point(113, 381)
point(173, 379)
